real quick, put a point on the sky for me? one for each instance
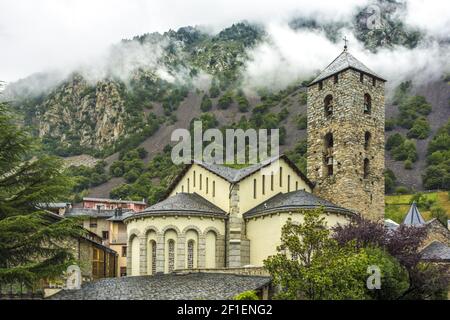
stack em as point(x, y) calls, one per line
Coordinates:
point(43, 35)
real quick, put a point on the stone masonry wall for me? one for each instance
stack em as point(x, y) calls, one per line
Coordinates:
point(347, 186)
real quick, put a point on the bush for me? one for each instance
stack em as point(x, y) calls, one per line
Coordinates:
point(246, 295)
point(394, 141)
point(405, 151)
point(301, 122)
point(225, 100)
point(302, 98)
point(390, 124)
point(206, 104)
point(401, 190)
point(408, 164)
point(389, 181)
point(242, 101)
point(142, 152)
point(214, 90)
point(420, 129)
point(131, 176)
point(116, 169)
point(440, 214)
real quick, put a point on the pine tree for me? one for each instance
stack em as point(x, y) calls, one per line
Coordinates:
point(33, 244)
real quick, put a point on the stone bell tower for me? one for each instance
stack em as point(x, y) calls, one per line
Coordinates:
point(346, 136)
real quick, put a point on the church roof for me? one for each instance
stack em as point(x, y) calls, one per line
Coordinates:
point(414, 218)
point(182, 204)
point(191, 286)
point(436, 251)
point(343, 62)
point(299, 199)
point(235, 175)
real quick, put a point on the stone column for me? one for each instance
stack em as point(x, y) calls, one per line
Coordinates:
point(142, 255)
point(201, 252)
point(180, 252)
point(160, 246)
point(238, 245)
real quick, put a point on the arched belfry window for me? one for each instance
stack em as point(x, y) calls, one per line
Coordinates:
point(328, 105)
point(171, 248)
point(367, 137)
point(366, 168)
point(367, 104)
point(328, 153)
point(190, 254)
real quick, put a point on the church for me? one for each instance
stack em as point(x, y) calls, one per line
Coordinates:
point(214, 216)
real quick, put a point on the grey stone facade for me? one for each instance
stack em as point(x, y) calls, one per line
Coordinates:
point(348, 186)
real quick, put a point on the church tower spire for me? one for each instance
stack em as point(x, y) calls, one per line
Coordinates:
point(346, 136)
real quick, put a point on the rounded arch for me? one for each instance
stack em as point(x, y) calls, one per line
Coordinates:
point(149, 229)
point(214, 229)
point(171, 227)
point(133, 252)
point(367, 104)
point(133, 233)
point(192, 227)
point(211, 247)
point(328, 105)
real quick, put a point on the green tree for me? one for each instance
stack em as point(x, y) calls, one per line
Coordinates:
point(420, 129)
point(311, 265)
point(31, 243)
point(225, 100)
point(440, 214)
point(394, 141)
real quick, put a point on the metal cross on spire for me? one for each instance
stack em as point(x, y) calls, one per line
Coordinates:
point(345, 41)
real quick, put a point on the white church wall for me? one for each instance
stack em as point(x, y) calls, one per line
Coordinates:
point(212, 187)
point(247, 200)
point(264, 233)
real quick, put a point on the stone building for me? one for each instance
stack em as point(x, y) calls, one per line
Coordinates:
point(346, 136)
point(216, 217)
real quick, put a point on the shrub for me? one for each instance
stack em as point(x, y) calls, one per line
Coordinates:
point(206, 104)
point(390, 124)
point(440, 214)
point(214, 90)
point(405, 151)
point(246, 295)
point(225, 100)
point(408, 164)
point(394, 141)
point(420, 129)
point(301, 122)
point(389, 181)
point(401, 190)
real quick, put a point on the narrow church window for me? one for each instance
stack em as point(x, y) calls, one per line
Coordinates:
point(336, 78)
point(171, 261)
point(207, 185)
point(320, 85)
point(281, 176)
point(188, 183)
point(361, 77)
point(366, 168)
point(254, 188)
point(328, 105)
point(296, 185)
point(214, 188)
point(367, 103)
point(190, 254)
point(328, 156)
point(200, 181)
point(374, 82)
point(153, 247)
point(194, 178)
point(263, 184)
point(271, 181)
point(367, 136)
point(182, 189)
point(289, 183)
